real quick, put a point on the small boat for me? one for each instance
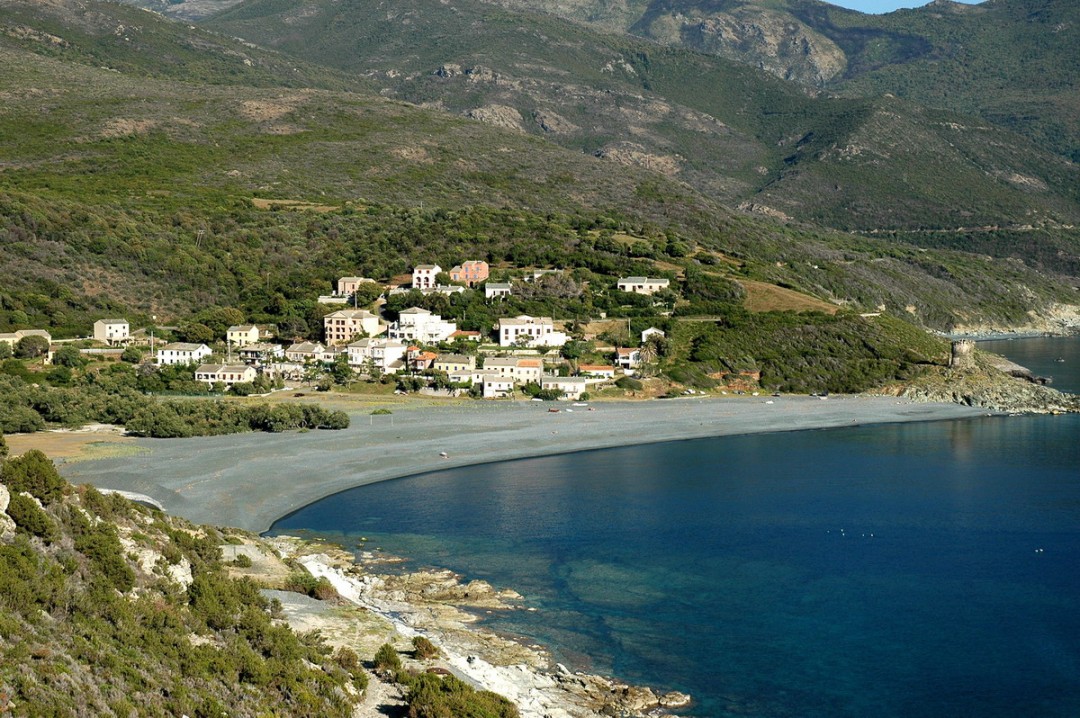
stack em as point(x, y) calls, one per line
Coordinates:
point(444, 455)
point(554, 411)
point(580, 403)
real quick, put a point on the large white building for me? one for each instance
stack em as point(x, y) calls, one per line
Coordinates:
point(227, 374)
point(419, 325)
point(521, 370)
point(423, 276)
point(387, 356)
point(182, 353)
point(643, 285)
point(341, 326)
point(112, 331)
point(530, 331)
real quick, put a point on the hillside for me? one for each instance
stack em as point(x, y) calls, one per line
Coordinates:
point(111, 609)
point(729, 131)
point(128, 187)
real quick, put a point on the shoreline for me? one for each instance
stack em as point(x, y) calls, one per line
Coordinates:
point(250, 481)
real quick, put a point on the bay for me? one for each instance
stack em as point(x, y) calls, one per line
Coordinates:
point(898, 570)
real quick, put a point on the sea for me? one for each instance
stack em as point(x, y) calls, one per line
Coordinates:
point(926, 569)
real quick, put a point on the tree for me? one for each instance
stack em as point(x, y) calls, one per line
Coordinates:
point(69, 356)
point(31, 347)
point(3, 447)
point(35, 474)
point(387, 660)
point(131, 355)
point(196, 333)
point(5, 350)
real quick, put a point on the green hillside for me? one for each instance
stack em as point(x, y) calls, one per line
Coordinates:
point(131, 192)
point(729, 131)
point(111, 609)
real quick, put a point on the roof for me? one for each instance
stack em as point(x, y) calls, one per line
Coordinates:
point(218, 368)
point(184, 347)
point(414, 310)
point(112, 321)
point(530, 363)
point(595, 367)
point(626, 352)
point(465, 333)
point(350, 314)
point(498, 285)
point(427, 267)
point(306, 347)
point(453, 358)
point(525, 319)
point(243, 328)
point(427, 356)
point(355, 279)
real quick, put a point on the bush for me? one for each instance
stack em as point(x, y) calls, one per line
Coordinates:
point(424, 648)
point(242, 561)
point(69, 356)
point(131, 355)
point(629, 383)
point(31, 347)
point(387, 660)
point(29, 518)
point(35, 474)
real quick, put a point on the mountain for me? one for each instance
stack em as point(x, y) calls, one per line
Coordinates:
point(729, 131)
point(146, 162)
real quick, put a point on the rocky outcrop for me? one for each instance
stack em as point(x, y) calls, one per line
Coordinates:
point(7, 525)
point(994, 391)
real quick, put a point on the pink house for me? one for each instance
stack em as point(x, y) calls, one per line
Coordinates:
point(470, 273)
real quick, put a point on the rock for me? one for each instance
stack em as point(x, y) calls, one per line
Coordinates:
point(7, 525)
point(674, 699)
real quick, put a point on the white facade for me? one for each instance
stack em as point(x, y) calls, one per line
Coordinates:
point(420, 325)
point(522, 371)
point(304, 351)
point(651, 331)
point(572, 387)
point(341, 326)
point(182, 353)
point(530, 331)
point(497, 289)
point(627, 358)
point(450, 363)
point(423, 276)
point(643, 285)
point(386, 355)
point(112, 331)
point(227, 374)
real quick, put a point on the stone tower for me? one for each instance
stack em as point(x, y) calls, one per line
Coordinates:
point(963, 354)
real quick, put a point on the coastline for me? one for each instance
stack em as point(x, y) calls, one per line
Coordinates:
point(252, 480)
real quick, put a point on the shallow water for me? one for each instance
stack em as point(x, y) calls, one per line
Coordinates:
point(899, 570)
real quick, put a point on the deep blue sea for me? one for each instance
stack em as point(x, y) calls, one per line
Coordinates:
point(925, 569)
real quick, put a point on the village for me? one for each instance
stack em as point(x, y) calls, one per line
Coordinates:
point(417, 349)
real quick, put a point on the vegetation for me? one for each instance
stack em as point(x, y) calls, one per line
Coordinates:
point(86, 628)
point(424, 648)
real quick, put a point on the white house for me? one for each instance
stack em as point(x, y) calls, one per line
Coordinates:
point(521, 371)
point(572, 387)
point(242, 334)
point(652, 331)
point(112, 331)
point(643, 285)
point(497, 289)
point(423, 276)
point(601, 371)
point(261, 352)
point(387, 356)
point(182, 353)
point(341, 326)
point(495, 386)
point(530, 331)
point(627, 359)
point(227, 374)
point(304, 351)
point(13, 338)
point(420, 325)
point(450, 363)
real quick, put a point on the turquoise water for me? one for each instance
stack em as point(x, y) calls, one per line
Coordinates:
point(905, 570)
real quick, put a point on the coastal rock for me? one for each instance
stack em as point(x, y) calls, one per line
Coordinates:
point(993, 390)
point(7, 525)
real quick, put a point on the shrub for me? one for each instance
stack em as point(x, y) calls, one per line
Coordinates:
point(629, 383)
point(242, 561)
point(29, 518)
point(35, 474)
point(424, 648)
point(387, 660)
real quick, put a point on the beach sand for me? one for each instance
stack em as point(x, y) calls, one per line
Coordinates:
point(251, 480)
